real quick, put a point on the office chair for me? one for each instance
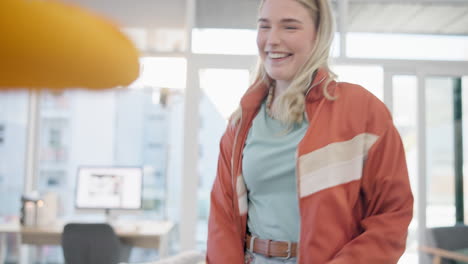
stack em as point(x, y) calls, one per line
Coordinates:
point(186, 257)
point(91, 244)
point(446, 245)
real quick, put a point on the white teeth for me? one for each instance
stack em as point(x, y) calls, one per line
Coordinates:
point(277, 55)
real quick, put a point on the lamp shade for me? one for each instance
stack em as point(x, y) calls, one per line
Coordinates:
point(49, 44)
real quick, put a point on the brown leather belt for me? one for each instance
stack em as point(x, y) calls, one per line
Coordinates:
point(271, 248)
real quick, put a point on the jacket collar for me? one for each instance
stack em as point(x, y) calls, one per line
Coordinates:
point(315, 91)
point(259, 90)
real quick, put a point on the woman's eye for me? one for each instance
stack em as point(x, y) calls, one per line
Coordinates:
point(291, 28)
point(264, 26)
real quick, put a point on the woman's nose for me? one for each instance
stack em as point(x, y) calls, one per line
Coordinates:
point(273, 37)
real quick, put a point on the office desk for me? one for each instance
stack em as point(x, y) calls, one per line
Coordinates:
point(148, 234)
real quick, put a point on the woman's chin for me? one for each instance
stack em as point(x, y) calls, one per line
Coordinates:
point(279, 76)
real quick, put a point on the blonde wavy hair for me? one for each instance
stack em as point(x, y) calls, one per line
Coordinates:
point(289, 107)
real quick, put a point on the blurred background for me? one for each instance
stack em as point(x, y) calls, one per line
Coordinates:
point(196, 60)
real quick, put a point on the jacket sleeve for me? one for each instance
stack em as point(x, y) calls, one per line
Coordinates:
point(224, 239)
point(388, 204)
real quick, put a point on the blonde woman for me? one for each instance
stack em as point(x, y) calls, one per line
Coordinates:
point(310, 170)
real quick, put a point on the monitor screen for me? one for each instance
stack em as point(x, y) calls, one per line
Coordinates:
point(109, 188)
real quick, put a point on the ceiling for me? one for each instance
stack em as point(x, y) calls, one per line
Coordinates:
point(139, 13)
point(390, 16)
point(415, 17)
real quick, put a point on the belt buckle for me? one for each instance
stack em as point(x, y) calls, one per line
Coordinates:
point(289, 251)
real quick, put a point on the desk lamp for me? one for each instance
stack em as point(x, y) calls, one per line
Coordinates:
point(49, 44)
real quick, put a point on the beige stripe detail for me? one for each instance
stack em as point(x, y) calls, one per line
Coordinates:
point(335, 175)
point(241, 195)
point(334, 164)
point(336, 153)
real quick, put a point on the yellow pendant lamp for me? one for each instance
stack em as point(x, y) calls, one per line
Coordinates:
point(48, 44)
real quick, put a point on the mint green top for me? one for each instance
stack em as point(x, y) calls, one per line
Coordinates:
point(269, 170)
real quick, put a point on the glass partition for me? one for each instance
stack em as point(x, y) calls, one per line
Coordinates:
point(13, 140)
point(405, 119)
point(440, 210)
point(369, 77)
point(219, 99)
point(138, 126)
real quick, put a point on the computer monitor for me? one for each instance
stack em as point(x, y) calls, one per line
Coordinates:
point(109, 188)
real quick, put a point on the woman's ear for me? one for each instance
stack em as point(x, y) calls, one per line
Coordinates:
point(48, 44)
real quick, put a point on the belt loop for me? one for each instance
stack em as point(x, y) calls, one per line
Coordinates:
point(252, 241)
point(268, 248)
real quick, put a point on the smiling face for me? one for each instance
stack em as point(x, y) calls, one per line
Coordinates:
point(285, 39)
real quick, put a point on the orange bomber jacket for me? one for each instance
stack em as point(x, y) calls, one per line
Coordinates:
point(355, 200)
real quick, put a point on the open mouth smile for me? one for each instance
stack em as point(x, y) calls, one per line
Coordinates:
point(278, 55)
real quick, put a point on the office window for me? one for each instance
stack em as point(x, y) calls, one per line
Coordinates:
point(162, 73)
point(116, 127)
point(407, 46)
point(370, 77)
point(109, 128)
point(224, 41)
point(13, 131)
point(465, 143)
point(405, 120)
point(52, 178)
point(54, 137)
point(224, 96)
point(218, 100)
point(440, 209)
point(2, 133)
point(13, 138)
point(157, 39)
